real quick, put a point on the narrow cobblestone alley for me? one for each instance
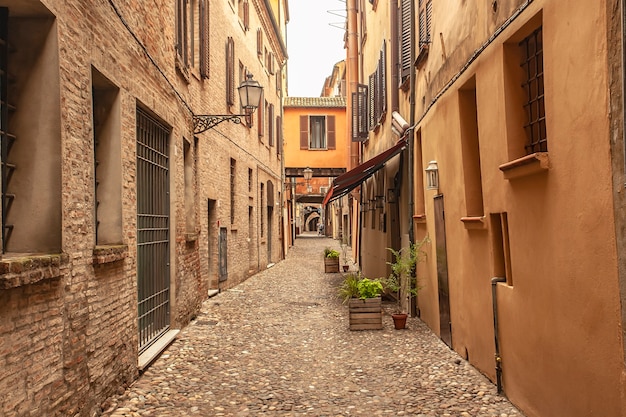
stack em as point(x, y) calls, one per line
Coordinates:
point(279, 344)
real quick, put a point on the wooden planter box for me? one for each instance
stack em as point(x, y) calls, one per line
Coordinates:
point(331, 265)
point(365, 314)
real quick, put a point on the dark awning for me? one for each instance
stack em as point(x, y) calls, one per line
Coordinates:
point(347, 182)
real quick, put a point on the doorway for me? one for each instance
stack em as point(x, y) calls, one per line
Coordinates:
point(445, 324)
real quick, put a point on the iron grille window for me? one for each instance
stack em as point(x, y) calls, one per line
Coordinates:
point(233, 164)
point(532, 64)
point(6, 139)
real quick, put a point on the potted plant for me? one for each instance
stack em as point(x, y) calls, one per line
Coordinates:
point(331, 260)
point(364, 301)
point(344, 250)
point(403, 278)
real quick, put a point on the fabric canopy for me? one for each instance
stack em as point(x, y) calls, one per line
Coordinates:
point(347, 182)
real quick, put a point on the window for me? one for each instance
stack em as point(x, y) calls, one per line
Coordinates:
point(31, 181)
point(359, 114)
point(317, 132)
point(270, 124)
point(262, 200)
point(532, 65)
point(230, 72)
point(378, 90)
point(261, 116)
point(189, 162)
point(233, 173)
point(279, 135)
point(204, 39)
point(405, 40)
point(259, 42)
point(182, 33)
point(246, 15)
point(425, 23)
point(107, 160)
point(470, 150)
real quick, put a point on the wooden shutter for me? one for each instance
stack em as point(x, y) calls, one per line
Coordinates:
point(230, 72)
point(383, 77)
point(371, 107)
point(261, 115)
point(359, 114)
point(304, 132)
point(330, 132)
point(279, 135)
point(270, 124)
point(246, 15)
point(405, 39)
point(259, 42)
point(204, 39)
point(425, 18)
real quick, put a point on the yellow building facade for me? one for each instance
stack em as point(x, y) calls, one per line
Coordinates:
point(511, 108)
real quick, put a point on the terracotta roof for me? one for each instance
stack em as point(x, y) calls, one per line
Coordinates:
point(314, 102)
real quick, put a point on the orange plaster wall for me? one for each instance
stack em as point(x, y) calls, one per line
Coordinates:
point(560, 328)
point(296, 157)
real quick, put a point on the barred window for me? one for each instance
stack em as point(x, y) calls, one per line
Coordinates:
point(532, 64)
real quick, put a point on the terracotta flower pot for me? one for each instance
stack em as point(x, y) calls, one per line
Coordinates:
point(399, 320)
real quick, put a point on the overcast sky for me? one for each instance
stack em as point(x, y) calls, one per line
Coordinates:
point(314, 46)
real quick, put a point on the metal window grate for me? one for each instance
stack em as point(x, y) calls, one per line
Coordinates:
point(532, 64)
point(153, 277)
point(6, 138)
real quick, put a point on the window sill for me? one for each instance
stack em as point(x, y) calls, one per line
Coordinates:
point(525, 166)
point(473, 222)
point(31, 269)
point(104, 254)
point(419, 218)
point(191, 237)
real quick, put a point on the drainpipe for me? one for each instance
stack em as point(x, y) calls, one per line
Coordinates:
point(494, 300)
point(411, 133)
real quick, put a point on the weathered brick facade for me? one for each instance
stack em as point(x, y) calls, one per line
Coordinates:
point(69, 272)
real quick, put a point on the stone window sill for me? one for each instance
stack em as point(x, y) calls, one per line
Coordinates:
point(419, 218)
point(109, 253)
point(525, 166)
point(473, 222)
point(19, 270)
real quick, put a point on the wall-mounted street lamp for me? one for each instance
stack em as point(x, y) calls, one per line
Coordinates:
point(432, 176)
point(308, 174)
point(249, 94)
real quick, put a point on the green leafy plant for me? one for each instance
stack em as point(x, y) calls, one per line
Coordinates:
point(403, 278)
point(369, 288)
point(356, 286)
point(331, 253)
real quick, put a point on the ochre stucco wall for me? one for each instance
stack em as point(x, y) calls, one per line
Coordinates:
point(560, 331)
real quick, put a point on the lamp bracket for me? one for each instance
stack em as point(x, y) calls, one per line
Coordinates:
point(204, 122)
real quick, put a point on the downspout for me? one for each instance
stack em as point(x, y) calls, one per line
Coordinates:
point(494, 301)
point(410, 134)
point(352, 75)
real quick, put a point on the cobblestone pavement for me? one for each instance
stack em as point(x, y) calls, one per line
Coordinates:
point(279, 345)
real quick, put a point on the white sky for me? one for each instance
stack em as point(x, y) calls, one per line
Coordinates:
point(313, 45)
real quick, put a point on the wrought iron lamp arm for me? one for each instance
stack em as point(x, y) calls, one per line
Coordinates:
point(204, 122)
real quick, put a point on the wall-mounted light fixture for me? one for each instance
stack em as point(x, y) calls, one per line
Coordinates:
point(308, 174)
point(432, 176)
point(249, 94)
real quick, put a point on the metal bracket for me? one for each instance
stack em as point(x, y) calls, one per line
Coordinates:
point(204, 122)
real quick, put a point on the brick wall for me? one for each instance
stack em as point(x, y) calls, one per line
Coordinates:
point(68, 324)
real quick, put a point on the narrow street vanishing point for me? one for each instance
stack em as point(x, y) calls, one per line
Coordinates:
point(279, 344)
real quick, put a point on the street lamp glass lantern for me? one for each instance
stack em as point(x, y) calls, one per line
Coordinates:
point(250, 93)
point(308, 174)
point(432, 176)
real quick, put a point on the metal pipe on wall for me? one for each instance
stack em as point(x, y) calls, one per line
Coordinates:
point(494, 301)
